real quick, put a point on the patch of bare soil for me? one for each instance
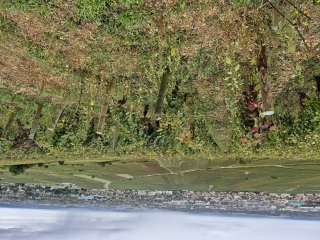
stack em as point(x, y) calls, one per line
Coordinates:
point(22, 140)
point(125, 175)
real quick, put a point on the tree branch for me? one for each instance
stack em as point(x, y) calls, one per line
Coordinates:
point(297, 29)
point(298, 9)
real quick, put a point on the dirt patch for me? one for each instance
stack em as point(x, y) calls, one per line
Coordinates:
point(125, 175)
point(22, 141)
point(92, 178)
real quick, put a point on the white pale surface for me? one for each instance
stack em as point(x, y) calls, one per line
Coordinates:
point(27, 224)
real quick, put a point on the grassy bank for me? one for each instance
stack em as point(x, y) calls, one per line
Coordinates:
point(223, 174)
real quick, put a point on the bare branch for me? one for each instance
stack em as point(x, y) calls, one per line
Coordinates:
point(297, 29)
point(298, 10)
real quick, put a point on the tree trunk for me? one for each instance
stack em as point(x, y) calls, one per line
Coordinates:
point(275, 18)
point(265, 87)
point(11, 119)
point(57, 115)
point(37, 115)
point(317, 79)
point(114, 139)
point(104, 109)
point(162, 93)
point(35, 122)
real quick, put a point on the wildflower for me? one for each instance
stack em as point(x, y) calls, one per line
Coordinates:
point(305, 23)
point(297, 12)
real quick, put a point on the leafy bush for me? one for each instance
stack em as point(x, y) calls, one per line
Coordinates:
point(19, 169)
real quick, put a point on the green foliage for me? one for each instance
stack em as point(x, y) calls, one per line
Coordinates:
point(4, 145)
point(308, 120)
point(40, 6)
point(245, 3)
point(126, 3)
point(19, 169)
point(100, 40)
point(132, 20)
point(69, 133)
point(234, 88)
point(6, 24)
point(240, 160)
point(91, 133)
point(90, 9)
point(37, 52)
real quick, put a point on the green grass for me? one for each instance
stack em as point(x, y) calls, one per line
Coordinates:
point(93, 178)
point(268, 175)
point(287, 176)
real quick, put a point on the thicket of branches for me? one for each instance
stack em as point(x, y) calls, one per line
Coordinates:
point(169, 77)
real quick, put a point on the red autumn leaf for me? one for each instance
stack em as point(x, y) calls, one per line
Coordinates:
point(272, 128)
point(250, 88)
point(254, 130)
